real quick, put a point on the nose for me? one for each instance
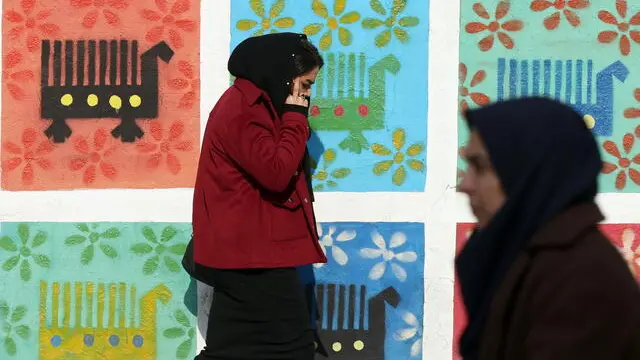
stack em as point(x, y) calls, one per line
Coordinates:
point(466, 185)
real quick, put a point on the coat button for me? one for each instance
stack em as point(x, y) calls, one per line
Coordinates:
point(305, 200)
point(296, 173)
point(290, 200)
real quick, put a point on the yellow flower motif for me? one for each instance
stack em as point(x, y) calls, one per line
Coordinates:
point(392, 23)
point(267, 23)
point(399, 176)
point(325, 177)
point(332, 23)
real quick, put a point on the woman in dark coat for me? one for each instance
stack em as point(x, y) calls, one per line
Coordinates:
point(538, 279)
point(253, 219)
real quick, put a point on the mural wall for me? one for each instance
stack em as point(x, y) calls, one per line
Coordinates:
point(100, 94)
point(580, 52)
point(369, 105)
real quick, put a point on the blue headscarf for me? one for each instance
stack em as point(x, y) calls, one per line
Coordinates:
point(547, 160)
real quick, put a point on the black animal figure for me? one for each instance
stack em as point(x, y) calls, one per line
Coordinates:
point(120, 95)
point(351, 339)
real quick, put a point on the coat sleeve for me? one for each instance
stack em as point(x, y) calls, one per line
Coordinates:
point(579, 312)
point(270, 158)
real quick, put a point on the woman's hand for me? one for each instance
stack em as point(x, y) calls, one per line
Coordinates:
point(296, 97)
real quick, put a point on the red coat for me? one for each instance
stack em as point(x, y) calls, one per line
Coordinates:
point(251, 204)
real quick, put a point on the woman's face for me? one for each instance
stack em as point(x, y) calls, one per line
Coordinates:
point(481, 182)
point(306, 80)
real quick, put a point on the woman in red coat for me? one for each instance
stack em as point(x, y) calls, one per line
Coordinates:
point(253, 219)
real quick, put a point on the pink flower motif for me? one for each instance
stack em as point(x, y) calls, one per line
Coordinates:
point(30, 23)
point(13, 78)
point(91, 18)
point(167, 21)
point(28, 154)
point(190, 81)
point(165, 146)
point(92, 155)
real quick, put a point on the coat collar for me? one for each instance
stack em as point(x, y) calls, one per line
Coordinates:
point(564, 229)
point(251, 92)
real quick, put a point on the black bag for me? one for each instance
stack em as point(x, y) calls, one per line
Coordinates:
point(189, 264)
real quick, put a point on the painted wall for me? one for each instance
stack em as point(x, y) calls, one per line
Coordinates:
point(92, 225)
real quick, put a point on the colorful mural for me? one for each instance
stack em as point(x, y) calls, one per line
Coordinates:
point(370, 294)
point(116, 104)
point(534, 48)
point(369, 104)
point(626, 238)
point(95, 290)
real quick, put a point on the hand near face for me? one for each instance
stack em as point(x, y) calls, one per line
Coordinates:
point(297, 96)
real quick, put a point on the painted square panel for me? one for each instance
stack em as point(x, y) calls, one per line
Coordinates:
point(369, 104)
point(626, 238)
point(95, 290)
point(571, 51)
point(370, 294)
point(100, 94)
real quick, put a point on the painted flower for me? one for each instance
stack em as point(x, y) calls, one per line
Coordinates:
point(93, 238)
point(633, 112)
point(624, 163)
point(31, 154)
point(23, 252)
point(32, 23)
point(161, 248)
point(464, 93)
point(15, 78)
point(164, 146)
point(496, 27)
point(100, 7)
point(13, 324)
point(185, 331)
point(400, 174)
point(333, 23)
point(393, 24)
point(413, 333)
point(388, 256)
point(630, 250)
point(189, 82)
point(268, 22)
point(324, 177)
point(562, 7)
point(93, 155)
point(623, 27)
point(329, 241)
point(166, 19)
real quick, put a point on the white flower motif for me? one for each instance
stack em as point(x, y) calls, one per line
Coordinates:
point(412, 333)
point(397, 239)
point(627, 250)
point(328, 241)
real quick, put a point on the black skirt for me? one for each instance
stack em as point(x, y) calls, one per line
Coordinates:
point(257, 314)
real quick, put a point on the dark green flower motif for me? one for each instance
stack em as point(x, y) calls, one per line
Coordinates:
point(393, 24)
point(24, 253)
point(186, 332)
point(161, 248)
point(94, 238)
point(12, 326)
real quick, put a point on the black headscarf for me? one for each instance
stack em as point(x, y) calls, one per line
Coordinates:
point(268, 62)
point(547, 160)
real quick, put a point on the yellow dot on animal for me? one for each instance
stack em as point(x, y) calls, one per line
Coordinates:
point(92, 100)
point(336, 346)
point(135, 101)
point(589, 120)
point(358, 345)
point(66, 99)
point(115, 101)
